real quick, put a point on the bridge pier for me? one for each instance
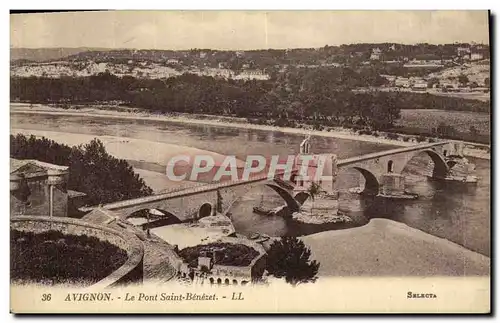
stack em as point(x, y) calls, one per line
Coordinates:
point(392, 184)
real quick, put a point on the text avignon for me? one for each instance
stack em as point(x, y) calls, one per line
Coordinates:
point(87, 297)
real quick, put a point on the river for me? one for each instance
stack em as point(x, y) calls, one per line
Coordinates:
point(457, 212)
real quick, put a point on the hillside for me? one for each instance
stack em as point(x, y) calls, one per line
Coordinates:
point(477, 72)
point(45, 54)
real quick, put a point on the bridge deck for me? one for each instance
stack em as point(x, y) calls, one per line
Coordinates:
point(352, 160)
point(179, 192)
point(207, 187)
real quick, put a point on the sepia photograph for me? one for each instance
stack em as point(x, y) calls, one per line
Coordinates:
point(250, 162)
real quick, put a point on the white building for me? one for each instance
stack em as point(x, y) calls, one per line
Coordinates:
point(252, 74)
point(376, 52)
point(402, 82)
point(476, 56)
point(419, 86)
point(464, 52)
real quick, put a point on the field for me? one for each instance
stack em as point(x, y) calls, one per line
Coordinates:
point(425, 120)
point(53, 258)
point(481, 96)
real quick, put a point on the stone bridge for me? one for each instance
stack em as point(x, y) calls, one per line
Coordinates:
point(379, 169)
point(383, 167)
point(194, 202)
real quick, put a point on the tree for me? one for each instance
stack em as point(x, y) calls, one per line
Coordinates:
point(314, 189)
point(103, 177)
point(289, 258)
point(473, 131)
point(463, 79)
point(92, 170)
point(219, 202)
point(487, 82)
point(433, 81)
point(443, 130)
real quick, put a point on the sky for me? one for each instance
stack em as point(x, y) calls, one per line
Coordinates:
point(233, 30)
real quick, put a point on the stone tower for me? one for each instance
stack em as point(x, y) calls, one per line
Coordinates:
point(314, 168)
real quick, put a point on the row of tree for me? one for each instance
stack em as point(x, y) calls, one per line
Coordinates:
point(300, 95)
point(92, 170)
point(314, 96)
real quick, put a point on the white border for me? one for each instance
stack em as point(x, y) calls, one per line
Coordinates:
point(214, 4)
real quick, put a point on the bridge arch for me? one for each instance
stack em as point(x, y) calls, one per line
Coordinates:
point(371, 181)
point(301, 197)
point(158, 218)
point(441, 166)
point(206, 209)
point(451, 163)
point(390, 165)
point(291, 202)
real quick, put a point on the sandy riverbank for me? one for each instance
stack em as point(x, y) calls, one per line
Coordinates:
point(95, 112)
point(388, 248)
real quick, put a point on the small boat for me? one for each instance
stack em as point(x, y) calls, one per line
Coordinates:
point(462, 179)
point(471, 179)
point(405, 196)
point(254, 236)
point(260, 211)
point(259, 237)
point(356, 190)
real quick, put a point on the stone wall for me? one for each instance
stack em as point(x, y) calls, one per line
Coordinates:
point(39, 199)
point(233, 274)
point(230, 272)
point(130, 272)
point(186, 207)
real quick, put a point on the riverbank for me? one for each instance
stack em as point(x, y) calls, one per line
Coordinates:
point(341, 133)
point(388, 248)
point(95, 112)
point(323, 218)
point(140, 153)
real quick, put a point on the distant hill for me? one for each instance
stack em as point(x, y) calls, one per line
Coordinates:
point(47, 54)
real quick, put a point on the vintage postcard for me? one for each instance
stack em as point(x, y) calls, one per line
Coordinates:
point(250, 162)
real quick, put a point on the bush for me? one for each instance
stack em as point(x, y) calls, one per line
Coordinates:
point(444, 130)
point(421, 138)
point(365, 132)
point(393, 136)
point(92, 170)
point(318, 126)
point(289, 258)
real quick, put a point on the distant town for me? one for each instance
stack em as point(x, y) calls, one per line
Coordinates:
point(453, 69)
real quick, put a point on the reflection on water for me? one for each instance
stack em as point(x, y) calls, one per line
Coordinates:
point(457, 212)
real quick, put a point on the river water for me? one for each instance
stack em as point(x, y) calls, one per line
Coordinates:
point(454, 211)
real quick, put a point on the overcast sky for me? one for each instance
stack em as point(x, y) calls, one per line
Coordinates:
point(244, 30)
